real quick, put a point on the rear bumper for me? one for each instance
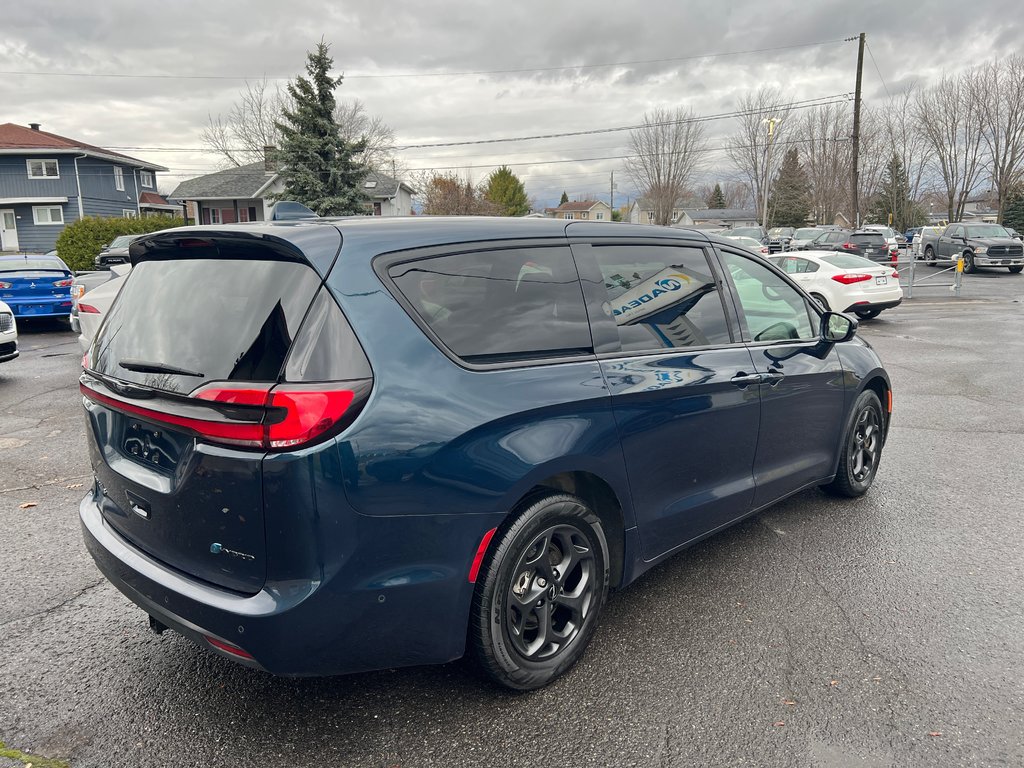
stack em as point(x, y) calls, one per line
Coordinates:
point(367, 615)
point(879, 305)
point(27, 308)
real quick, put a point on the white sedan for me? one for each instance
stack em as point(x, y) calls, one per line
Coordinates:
point(749, 243)
point(94, 304)
point(843, 282)
point(8, 334)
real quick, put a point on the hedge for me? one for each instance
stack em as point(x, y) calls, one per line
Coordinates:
point(81, 241)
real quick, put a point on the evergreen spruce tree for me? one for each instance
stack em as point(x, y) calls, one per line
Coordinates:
point(717, 198)
point(789, 202)
point(319, 168)
point(506, 191)
point(1013, 211)
point(893, 198)
point(565, 198)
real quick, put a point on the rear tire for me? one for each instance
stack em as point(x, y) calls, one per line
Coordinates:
point(862, 448)
point(541, 591)
point(821, 300)
point(868, 314)
point(929, 256)
point(1016, 269)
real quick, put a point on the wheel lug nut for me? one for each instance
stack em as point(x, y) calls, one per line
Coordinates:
point(541, 583)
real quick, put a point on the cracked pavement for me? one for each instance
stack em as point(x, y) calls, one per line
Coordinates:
point(820, 632)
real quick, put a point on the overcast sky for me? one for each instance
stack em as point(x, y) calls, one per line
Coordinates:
point(194, 42)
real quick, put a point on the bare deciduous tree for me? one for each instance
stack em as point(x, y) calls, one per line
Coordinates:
point(665, 153)
point(748, 148)
point(999, 99)
point(251, 124)
point(825, 147)
point(944, 114)
point(446, 194)
point(906, 140)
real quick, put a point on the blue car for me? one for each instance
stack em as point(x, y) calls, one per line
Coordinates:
point(329, 446)
point(36, 286)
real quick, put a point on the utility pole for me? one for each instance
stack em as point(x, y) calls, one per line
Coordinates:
point(767, 175)
point(611, 196)
point(856, 134)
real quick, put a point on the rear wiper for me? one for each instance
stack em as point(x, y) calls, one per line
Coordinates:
point(144, 366)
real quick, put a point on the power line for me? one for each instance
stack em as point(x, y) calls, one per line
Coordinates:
point(398, 75)
point(868, 46)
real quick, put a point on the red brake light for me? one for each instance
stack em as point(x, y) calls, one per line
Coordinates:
point(87, 309)
point(896, 275)
point(4, 286)
point(849, 278)
point(63, 283)
point(308, 412)
point(849, 245)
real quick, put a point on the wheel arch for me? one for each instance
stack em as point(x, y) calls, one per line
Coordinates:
point(601, 498)
point(880, 385)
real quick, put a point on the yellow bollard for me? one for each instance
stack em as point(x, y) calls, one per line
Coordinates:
point(960, 265)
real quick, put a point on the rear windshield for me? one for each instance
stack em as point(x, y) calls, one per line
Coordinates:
point(848, 261)
point(33, 265)
point(867, 238)
point(199, 320)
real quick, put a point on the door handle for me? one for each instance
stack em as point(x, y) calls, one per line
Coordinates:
point(773, 376)
point(741, 379)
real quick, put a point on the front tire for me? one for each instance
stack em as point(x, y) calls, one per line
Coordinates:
point(1015, 270)
point(543, 585)
point(969, 268)
point(862, 448)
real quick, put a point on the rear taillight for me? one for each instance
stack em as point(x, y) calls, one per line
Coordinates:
point(849, 278)
point(87, 309)
point(896, 275)
point(849, 246)
point(63, 283)
point(254, 415)
point(4, 286)
point(77, 291)
point(234, 650)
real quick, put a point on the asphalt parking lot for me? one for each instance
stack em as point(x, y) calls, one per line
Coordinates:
point(886, 631)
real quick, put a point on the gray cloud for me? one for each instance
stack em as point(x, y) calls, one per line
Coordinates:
point(910, 42)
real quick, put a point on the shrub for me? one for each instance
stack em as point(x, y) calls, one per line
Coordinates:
point(80, 242)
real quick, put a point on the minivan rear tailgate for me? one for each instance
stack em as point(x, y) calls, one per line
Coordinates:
point(194, 506)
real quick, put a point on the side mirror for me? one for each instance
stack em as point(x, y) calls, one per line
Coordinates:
point(837, 328)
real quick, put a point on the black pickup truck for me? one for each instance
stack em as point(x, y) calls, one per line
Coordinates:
point(981, 245)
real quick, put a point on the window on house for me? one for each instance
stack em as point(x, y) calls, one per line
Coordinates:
point(118, 178)
point(650, 216)
point(675, 216)
point(43, 169)
point(128, 213)
point(215, 216)
point(146, 179)
point(47, 214)
point(243, 215)
point(566, 215)
point(599, 215)
point(583, 215)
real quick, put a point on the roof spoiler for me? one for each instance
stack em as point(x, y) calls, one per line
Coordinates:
point(290, 210)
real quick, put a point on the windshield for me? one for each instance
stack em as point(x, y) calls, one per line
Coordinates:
point(780, 232)
point(123, 241)
point(806, 233)
point(33, 265)
point(754, 232)
point(987, 230)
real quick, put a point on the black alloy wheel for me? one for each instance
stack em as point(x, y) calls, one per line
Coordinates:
point(542, 587)
point(969, 268)
point(929, 256)
point(862, 448)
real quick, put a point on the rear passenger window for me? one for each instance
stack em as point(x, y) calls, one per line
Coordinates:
point(662, 297)
point(499, 305)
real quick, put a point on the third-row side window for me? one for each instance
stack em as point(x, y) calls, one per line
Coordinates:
point(500, 305)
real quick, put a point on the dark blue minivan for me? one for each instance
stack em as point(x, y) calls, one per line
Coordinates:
point(327, 446)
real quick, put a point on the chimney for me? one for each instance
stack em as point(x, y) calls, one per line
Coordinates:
point(34, 126)
point(270, 158)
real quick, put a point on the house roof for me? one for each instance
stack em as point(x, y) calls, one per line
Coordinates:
point(721, 214)
point(17, 139)
point(245, 181)
point(577, 205)
point(248, 181)
point(152, 199)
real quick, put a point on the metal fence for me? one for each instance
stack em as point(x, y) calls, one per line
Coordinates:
point(909, 278)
